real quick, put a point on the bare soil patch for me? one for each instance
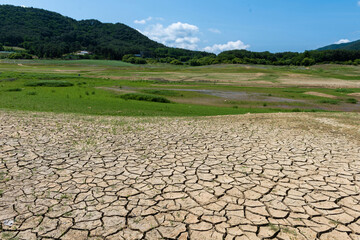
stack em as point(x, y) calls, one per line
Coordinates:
point(65, 70)
point(254, 176)
point(354, 94)
point(321, 95)
point(117, 89)
point(302, 80)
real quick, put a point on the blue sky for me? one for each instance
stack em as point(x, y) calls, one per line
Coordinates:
point(214, 25)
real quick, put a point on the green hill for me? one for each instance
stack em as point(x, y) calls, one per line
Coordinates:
point(344, 46)
point(49, 34)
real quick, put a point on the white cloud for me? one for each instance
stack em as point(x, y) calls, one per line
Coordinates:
point(214, 30)
point(181, 35)
point(342, 41)
point(359, 3)
point(216, 48)
point(184, 35)
point(140, 21)
point(143, 21)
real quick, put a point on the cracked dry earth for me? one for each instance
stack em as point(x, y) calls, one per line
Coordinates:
point(262, 176)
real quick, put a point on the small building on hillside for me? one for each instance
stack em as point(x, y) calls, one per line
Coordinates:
point(141, 54)
point(83, 53)
point(7, 52)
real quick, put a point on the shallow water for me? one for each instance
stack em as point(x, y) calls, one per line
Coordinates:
point(240, 96)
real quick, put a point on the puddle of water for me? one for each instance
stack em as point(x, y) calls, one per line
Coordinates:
point(350, 107)
point(8, 222)
point(240, 96)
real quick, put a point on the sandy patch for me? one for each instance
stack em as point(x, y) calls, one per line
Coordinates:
point(70, 71)
point(302, 80)
point(354, 94)
point(116, 89)
point(321, 95)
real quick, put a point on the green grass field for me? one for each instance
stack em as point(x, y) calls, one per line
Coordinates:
point(98, 87)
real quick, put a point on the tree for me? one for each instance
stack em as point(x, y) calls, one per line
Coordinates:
point(134, 60)
point(140, 61)
point(176, 62)
point(1, 47)
point(194, 62)
point(307, 61)
point(127, 57)
point(20, 56)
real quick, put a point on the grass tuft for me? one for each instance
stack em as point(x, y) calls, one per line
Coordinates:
point(144, 97)
point(344, 90)
point(14, 90)
point(351, 100)
point(329, 101)
point(168, 93)
point(32, 93)
point(49, 83)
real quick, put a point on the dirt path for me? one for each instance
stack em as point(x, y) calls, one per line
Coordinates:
point(284, 176)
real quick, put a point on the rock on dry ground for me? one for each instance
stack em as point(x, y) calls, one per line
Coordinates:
point(255, 176)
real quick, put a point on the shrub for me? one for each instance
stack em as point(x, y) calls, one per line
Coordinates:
point(144, 97)
point(329, 101)
point(140, 61)
point(126, 58)
point(14, 90)
point(134, 60)
point(344, 90)
point(351, 100)
point(307, 62)
point(20, 56)
point(195, 62)
point(237, 61)
point(81, 83)
point(166, 60)
point(184, 58)
point(161, 92)
point(49, 83)
point(176, 62)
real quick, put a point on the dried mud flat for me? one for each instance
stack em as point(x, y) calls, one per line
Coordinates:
point(258, 176)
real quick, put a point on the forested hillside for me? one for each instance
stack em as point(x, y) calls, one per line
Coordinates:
point(344, 46)
point(49, 34)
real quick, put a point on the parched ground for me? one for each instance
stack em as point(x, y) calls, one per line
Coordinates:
point(255, 176)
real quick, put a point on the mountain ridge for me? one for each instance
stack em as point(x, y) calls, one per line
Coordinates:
point(355, 45)
point(49, 34)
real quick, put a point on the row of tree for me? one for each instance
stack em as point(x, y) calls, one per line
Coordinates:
point(175, 57)
point(306, 58)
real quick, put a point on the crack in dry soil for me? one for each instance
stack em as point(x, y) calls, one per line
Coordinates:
point(258, 176)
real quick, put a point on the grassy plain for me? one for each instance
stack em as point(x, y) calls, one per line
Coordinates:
point(97, 86)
